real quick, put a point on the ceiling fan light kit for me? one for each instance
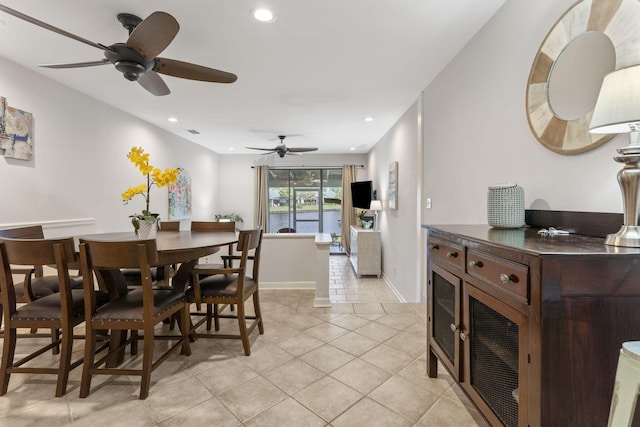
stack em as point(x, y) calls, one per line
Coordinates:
point(137, 59)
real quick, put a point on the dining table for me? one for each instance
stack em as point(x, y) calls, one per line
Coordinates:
point(182, 248)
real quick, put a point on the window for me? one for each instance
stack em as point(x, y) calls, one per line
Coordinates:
point(307, 200)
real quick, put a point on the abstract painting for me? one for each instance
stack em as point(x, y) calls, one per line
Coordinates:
point(16, 132)
point(180, 197)
point(393, 185)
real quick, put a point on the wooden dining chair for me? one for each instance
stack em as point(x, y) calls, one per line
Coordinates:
point(218, 286)
point(214, 226)
point(60, 311)
point(137, 310)
point(35, 284)
point(158, 274)
point(227, 226)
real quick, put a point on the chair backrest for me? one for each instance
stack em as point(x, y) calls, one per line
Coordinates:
point(213, 226)
point(100, 255)
point(31, 232)
point(228, 226)
point(287, 230)
point(169, 226)
point(58, 252)
point(122, 254)
point(250, 240)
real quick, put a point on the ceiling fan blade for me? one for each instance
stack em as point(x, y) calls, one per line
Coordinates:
point(301, 149)
point(153, 83)
point(262, 149)
point(77, 64)
point(153, 34)
point(186, 70)
point(52, 28)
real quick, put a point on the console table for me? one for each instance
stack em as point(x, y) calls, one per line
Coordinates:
point(530, 326)
point(365, 253)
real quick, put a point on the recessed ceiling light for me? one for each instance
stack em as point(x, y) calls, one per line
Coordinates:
point(264, 15)
point(368, 119)
point(173, 119)
point(231, 148)
point(352, 148)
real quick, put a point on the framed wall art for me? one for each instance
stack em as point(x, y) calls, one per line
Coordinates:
point(16, 132)
point(393, 185)
point(180, 197)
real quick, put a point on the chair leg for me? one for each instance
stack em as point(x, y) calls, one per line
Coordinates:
point(216, 317)
point(211, 314)
point(8, 351)
point(134, 342)
point(186, 330)
point(242, 324)
point(258, 312)
point(147, 362)
point(65, 360)
point(87, 365)
point(55, 336)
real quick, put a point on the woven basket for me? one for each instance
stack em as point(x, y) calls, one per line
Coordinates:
point(505, 206)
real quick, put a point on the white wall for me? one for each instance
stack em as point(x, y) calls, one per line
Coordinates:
point(476, 131)
point(80, 166)
point(400, 228)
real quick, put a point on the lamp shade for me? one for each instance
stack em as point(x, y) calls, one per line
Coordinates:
point(376, 205)
point(617, 109)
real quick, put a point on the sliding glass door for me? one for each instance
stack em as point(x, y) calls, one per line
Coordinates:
point(305, 200)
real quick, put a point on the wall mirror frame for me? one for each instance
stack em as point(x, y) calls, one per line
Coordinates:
point(616, 19)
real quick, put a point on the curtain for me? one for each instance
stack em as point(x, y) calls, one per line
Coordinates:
point(261, 198)
point(348, 218)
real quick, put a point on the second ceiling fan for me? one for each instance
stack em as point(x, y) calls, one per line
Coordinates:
point(282, 150)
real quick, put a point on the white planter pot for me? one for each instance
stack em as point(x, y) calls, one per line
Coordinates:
point(147, 229)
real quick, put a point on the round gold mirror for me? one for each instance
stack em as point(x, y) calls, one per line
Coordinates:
point(591, 39)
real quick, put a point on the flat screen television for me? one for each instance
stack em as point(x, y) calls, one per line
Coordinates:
point(361, 194)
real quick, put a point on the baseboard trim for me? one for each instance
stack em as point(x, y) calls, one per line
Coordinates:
point(393, 288)
point(287, 285)
point(322, 302)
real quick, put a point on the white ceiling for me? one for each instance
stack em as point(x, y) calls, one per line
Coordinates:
point(316, 71)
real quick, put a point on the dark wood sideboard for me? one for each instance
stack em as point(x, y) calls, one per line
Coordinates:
point(530, 326)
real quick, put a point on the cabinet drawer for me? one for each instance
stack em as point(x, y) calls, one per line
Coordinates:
point(447, 252)
point(506, 275)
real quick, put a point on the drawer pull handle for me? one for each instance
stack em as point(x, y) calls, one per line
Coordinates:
point(473, 264)
point(505, 278)
point(452, 254)
point(463, 336)
point(453, 327)
point(433, 246)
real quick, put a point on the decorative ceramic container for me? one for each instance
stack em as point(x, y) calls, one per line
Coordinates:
point(147, 229)
point(505, 206)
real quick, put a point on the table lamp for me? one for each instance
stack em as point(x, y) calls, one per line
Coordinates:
point(617, 110)
point(376, 205)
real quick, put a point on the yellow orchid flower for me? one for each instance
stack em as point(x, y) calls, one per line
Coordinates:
point(140, 159)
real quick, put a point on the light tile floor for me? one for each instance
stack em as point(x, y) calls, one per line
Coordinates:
point(360, 362)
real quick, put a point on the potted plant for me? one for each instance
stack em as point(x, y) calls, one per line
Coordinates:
point(231, 217)
point(146, 223)
point(364, 221)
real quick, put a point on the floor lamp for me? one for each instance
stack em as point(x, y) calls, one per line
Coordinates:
point(376, 205)
point(618, 111)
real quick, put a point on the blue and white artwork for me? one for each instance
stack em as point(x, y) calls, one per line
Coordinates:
point(16, 132)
